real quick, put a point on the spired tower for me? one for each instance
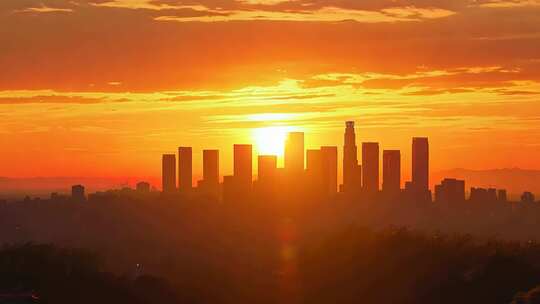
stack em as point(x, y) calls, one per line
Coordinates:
point(350, 159)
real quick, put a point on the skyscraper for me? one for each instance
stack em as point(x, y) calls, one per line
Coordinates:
point(211, 167)
point(391, 171)
point(314, 169)
point(370, 166)
point(267, 168)
point(294, 153)
point(185, 168)
point(314, 161)
point(350, 159)
point(329, 156)
point(420, 164)
point(168, 172)
point(243, 165)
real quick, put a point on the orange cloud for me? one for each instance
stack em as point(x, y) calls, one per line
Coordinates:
point(117, 85)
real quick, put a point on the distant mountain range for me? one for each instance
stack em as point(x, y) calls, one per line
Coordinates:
point(515, 180)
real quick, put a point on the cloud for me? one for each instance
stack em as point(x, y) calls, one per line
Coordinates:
point(44, 9)
point(325, 14)
point(147, 4)
point(508, 3)
point(49, 100)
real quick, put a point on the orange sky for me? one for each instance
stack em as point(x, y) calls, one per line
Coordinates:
point(103, 88)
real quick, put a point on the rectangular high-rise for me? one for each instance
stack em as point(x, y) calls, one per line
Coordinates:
point(314, 161)
point(267, 168)
point(420, 164)
point(185, 168)
point(314, 169)
point(294, 153)
point(391, 171)
point(243, 166)
point(211, 167)
point(350, 159)
point(329, 156)
point(370, 166)
point(168, 173)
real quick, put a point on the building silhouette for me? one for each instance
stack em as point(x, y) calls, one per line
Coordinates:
point(391, 171)
point(185, 168)
point(314, 161)
point(502, 196)
point(243, 166)
point(527, 197)
point(267, 168)
point(210, 182)
point(351, 173)
point(77, 193)
point(142, 187)
point(482, 195)
point(294, 154)
point(266, 175)
point(370, 166)
point(450, 191)
point(329, 155)
point(211, 167)
point(314, 169)
point(420, 164)
point(168, 173)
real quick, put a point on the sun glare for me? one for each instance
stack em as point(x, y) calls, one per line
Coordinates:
point(271, 140)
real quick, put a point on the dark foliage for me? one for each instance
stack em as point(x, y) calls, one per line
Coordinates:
point(55, 275)
point(169, 251)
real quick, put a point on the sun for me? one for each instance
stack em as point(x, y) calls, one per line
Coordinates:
point(271, 140)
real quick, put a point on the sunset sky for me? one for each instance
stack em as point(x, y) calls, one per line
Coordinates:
point(104, 87)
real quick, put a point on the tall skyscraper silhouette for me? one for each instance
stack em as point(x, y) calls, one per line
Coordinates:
point(185, 168)
point(294, 153)
point(168, 173)
point(391, 171)
point(370, 166)
point(211, 167)
point(267, 168)
point(329, 155)
point(314, 169)
point(420, 163)
point(314, 160)
point(351, 178)
point(243, 170)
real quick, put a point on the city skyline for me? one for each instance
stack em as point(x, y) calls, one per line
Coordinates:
point(371, 167)
point(299, 162)
point(311, 173)
point(317, 171)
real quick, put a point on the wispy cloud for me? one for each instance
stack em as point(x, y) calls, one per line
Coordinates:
point(44, 9)
point(325, 14)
